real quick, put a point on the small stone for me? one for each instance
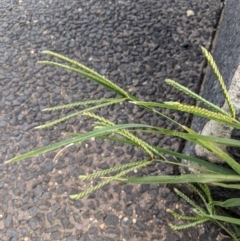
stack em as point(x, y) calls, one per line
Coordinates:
point(98, 215)
point(43, 207)
point(8, 221)
point(46, 196)
point(153, 193)
point(139, 233)
point(78, 204)
point(20, 117)
point(11, 233)
point(6, 199)
point(93, 231)
point(103, 166)
point(114, 230)
point(61, 189)
point(33, 211)
point(28, 176)
point(190, 13)
point(56, 235)
point(91, 205)
point(3, 123)
point(111, 220)
point(77, 218)
point(102, 226)
point(59, 214)
point(84, 238)
point(128, 211)
point(184, 45)
point(25, 199)
point(48, 166)
point(140, 225)
point(144, 188)
point(116, 206)
point(59, 179)
point(172, 237)
point(50, 217)
point(128, 189)
point(138, 210)
point(149, 206)
point(86, 214)
point(52, 229)
point(24, 232)
point(64, 222)
point(10, 97)
point(55, 207)
point(126, 223)
point(71, 238)
point(33, 223)
point(37, 191)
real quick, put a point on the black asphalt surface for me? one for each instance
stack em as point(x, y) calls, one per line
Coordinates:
point(137, 44)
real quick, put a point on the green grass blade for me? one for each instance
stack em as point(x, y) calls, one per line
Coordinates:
point(221, 154)
point(71, 62)
point(217, 140)
point(145, 146)
point(232, 235)
point(232, 202)
point(85, 69)
point(186, 178)
point(193, 136)
point(195, 96)
point(102, 81)
point(224, 156)
point(228, 185)
point(225, 219)
point(220, 80)
point(229, 160)
point(125, 133)
point(74, 140)
point(208, 165)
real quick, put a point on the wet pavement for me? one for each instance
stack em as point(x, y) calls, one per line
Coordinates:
point(137, 44)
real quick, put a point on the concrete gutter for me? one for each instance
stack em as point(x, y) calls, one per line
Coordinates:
point(226, 52)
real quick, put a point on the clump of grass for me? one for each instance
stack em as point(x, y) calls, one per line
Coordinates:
point(208, 173)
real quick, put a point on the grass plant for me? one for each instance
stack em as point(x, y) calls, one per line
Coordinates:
point(208, 173)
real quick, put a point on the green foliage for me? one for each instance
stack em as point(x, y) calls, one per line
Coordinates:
point(220, 80)
point(98, 106)
point(195, 96)
point(208, 173)
point(207, 212)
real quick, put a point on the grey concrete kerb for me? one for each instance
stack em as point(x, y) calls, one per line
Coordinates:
point(226, 52)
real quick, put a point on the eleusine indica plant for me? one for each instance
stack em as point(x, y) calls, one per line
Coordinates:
point(207, 173)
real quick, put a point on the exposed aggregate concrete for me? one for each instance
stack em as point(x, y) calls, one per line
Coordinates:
point(137, 44)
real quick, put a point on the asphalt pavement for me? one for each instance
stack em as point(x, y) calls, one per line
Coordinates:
point(136, 44)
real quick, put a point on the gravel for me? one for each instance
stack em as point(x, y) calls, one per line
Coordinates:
point(135, 43)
